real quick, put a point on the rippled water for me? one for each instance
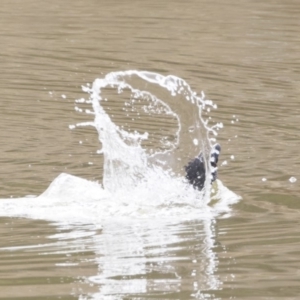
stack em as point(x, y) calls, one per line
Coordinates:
point(245, 56)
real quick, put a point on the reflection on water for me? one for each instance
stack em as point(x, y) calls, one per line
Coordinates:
point(151, 258)
point(134, 256)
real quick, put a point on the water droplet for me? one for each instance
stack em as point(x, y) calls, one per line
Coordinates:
point(224, 163)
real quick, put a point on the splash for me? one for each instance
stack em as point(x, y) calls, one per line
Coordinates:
point(143, 165)
point(132, 156)
point(144, 205)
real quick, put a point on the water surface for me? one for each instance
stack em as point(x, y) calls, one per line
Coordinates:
point(244, 55)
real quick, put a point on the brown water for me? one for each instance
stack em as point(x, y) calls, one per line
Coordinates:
point(244, 55)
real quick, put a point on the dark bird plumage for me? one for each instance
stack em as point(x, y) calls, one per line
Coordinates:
point(196, 172)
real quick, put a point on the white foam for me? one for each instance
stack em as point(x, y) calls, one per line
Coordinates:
point(73, 200)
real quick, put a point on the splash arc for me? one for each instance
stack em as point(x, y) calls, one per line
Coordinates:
point(125, 163)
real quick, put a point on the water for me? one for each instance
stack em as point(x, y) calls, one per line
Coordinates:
point(142, 194)
point(148, 242)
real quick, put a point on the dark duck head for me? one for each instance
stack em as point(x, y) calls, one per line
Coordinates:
point(196, 172)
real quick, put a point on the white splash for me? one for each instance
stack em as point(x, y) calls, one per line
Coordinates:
point(126, 161)
point(138, 180)
point(143, 184)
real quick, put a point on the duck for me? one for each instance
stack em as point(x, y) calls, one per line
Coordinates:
point(196, 171)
